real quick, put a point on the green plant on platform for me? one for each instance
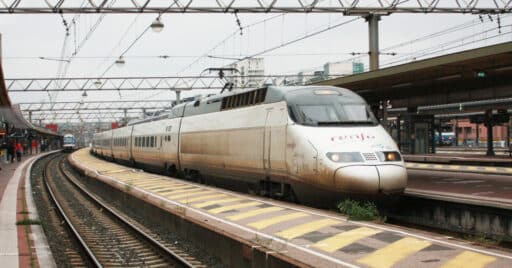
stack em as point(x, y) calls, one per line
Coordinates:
point(28, 222)
point(483, 240)
point(359, 211)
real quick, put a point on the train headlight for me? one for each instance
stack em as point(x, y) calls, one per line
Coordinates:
point(389, 156)
point(345, 157)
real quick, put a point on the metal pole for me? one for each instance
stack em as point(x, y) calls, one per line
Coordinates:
point(456, 132)
point(178, 96)
point(30, 116)
point(477, 135)
point(489, 125)
point(508, 134)
point(373, 30)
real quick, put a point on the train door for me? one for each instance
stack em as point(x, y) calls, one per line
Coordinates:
point(131, 141)
point(275, 140)
point(267, 142)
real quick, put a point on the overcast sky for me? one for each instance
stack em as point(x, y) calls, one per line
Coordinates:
point(185, 37)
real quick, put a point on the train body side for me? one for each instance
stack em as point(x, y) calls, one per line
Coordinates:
point(244, 144)
point(155, 144)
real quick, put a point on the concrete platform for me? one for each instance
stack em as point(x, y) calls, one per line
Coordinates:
point(13, 241)
point(460, 159)
point(476, 187)
point(311, 237)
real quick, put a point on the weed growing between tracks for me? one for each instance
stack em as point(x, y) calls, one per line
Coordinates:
point(28, 222)
point(360, 211)
point(483, 240)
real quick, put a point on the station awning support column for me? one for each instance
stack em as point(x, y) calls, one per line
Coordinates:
point(178, 95)
point(489, 125)
point(373, 30)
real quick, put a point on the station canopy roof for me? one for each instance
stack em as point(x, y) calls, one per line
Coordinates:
point(477, 74)
point(12, 113)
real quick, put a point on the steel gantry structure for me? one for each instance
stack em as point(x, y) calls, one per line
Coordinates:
point(122, 109)
point(92, 110)
point(174, 83)
point(348, 7)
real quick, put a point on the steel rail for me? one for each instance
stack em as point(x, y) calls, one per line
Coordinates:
point(159, 246)
point(89, 254)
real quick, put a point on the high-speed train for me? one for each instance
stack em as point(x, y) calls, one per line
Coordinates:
point(290, 142)
point(69, 142)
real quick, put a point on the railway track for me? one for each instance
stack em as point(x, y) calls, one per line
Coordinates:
point(106, 236)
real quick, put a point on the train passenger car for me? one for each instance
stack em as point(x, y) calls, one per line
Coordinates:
point(102, 144)
point(303, 142)
point(121, 143)
point(69, 143)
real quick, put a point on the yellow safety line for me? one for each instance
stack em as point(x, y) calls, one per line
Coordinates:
point(162, 185)
point(194, 193)
point(200, 198)
point(253, 213)
point(394, 252)
point(147, 181)
point(216, 202)
point(170, 187)
point(305, 228)
point(171, 194)
point(344, 239)
point(147, 185)
point(228, 208)
point(468, 259)
point(117, 171)
point(275, 220)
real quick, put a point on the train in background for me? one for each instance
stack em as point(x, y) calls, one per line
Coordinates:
point(69, 143)
point(305, 143)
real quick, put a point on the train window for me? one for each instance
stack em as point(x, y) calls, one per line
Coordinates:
point(254, 97)
point(230, 102)
point(244, 99)
point(152, 141)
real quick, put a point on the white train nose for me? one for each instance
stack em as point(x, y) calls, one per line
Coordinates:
point(371, 179)
point(357, 179)
point(393, 179)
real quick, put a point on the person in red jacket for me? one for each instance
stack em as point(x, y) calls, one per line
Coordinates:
point(19, 151)
point(34, 147)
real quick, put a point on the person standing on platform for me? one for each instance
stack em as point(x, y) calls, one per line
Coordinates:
point(11, 149)
point(19, 151)
point(34, 146)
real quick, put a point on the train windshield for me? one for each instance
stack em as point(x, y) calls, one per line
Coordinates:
point(69, 139)
point(332, 110)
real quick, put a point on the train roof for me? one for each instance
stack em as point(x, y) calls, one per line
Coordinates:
point(244, 98)
point(248, 97)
